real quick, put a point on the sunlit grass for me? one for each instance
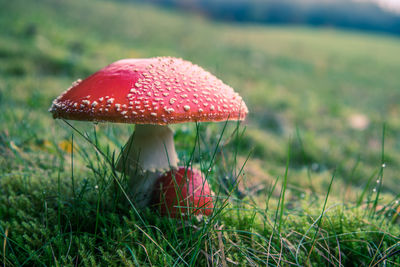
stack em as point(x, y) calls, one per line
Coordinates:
point(62, 202)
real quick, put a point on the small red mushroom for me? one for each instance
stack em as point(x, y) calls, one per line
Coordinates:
point(150, 93)
point(182, 192)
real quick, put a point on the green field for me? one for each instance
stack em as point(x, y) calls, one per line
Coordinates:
point(322, 104)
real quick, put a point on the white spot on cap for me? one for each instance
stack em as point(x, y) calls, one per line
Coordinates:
point(186, 107)
point(76, 82)
point(169, 110)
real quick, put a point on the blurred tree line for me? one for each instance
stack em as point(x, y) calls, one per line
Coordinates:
point(332, 13)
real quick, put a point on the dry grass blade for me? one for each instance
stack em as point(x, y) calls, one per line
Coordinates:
point(146, 252)
point(208, 257)
point(221, 246)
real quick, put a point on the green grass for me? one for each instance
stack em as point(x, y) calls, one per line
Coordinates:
point(65, 207)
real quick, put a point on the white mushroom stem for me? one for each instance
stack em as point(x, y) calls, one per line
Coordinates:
point(141, 188)
point(149, 152)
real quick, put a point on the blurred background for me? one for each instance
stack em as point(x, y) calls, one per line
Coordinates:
point(366, 15)
point(319, 77)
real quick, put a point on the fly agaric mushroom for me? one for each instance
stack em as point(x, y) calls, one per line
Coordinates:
point(182, 192)
point(150, 93)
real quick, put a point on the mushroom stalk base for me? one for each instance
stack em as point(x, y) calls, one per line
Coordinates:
point(149, 152)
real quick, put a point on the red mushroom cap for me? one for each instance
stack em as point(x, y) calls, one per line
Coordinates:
point(176, 191)
point(150, 91)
